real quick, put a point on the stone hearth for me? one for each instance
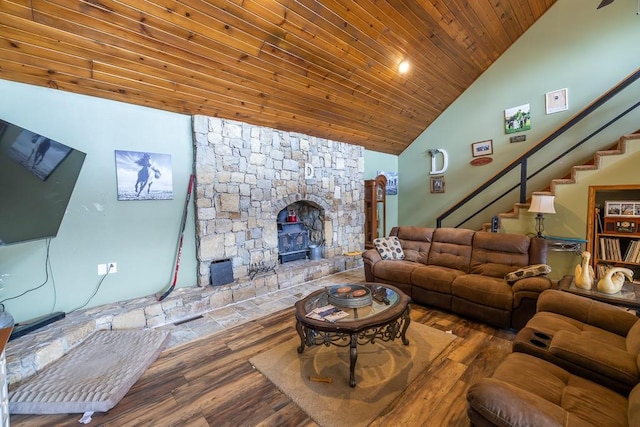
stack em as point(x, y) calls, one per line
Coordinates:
point(30, 353)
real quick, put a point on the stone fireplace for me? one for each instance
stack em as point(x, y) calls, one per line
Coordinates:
point(247, 175)
point(300, 225)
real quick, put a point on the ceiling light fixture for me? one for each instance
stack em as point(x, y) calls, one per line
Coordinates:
point(403, 67)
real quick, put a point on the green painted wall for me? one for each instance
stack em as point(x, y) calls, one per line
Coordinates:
point(572, 46)
point(140, 236)
point(375, 162)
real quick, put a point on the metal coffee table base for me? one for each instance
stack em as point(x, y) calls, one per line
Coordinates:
point(396, 328)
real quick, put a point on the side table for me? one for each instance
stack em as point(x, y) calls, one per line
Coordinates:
point(628, 297)
point(565, 244)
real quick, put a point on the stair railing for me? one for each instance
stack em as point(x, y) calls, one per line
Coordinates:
point(522, 160)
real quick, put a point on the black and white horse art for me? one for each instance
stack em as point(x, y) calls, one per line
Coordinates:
point(146, 174)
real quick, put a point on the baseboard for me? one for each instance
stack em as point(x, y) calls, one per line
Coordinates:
point(24, 328)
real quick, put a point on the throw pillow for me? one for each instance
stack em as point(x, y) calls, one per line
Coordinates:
point(528, 271)
point(389, 247)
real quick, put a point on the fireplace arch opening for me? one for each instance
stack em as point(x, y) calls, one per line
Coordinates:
point(300, 228)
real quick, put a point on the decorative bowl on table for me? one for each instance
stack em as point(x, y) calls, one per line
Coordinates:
point(349, 296)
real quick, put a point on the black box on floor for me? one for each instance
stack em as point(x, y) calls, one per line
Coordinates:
point(220, 272)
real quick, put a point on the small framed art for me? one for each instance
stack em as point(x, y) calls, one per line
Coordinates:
point(437, 184)
point(517, 119)
point(482, 148)
point(622, 208)
point(556, 101)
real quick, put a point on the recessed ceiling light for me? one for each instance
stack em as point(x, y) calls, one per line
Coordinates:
point(403, 67)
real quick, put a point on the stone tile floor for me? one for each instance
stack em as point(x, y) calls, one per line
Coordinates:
point(254, 308)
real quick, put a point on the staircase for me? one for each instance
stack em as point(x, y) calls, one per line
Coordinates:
point(605, 168)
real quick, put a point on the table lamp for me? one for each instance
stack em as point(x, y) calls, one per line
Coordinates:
point(541, 203)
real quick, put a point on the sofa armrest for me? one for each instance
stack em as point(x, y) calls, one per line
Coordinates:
point(498, 403)
point(532, 284)
point(370, 257)
point(585, 310)
point(595, 356)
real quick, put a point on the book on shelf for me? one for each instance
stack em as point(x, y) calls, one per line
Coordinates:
point(629, 255)
point(610, 249)
point(328, 313)
point(633, 252)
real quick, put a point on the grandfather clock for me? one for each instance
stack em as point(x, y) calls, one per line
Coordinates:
point(375, 217)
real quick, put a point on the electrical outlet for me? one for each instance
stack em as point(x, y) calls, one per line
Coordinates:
point(102, 269)
point(110, 268)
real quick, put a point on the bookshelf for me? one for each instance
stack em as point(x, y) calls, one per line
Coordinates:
point(614, 228)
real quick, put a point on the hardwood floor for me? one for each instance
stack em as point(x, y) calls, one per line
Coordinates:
point(209, 381)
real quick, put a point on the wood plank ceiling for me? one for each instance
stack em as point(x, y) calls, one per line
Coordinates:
point(326, 68)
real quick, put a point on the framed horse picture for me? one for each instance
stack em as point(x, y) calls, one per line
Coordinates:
point(144, 175)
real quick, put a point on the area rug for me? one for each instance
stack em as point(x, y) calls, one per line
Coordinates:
point(91, 377)
point(383, 371)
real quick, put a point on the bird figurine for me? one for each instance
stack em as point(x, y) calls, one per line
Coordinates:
point(584, 275)
point(614, 279)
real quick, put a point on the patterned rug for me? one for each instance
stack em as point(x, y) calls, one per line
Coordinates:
point(383, 371)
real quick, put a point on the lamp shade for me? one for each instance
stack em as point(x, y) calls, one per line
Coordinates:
point(542, 203)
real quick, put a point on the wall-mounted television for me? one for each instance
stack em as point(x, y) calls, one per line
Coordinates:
point(37, 177)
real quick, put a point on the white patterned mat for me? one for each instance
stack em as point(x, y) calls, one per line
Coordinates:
point(93, 376)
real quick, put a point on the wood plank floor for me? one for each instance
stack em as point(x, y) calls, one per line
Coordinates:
point(209, 381)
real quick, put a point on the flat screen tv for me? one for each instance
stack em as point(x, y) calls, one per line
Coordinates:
point(37, 177)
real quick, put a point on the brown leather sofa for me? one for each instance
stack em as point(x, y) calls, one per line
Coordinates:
point(588, 338)
point(463, 271)
point(576, 362)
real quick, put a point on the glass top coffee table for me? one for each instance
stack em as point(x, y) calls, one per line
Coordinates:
point(362, 313)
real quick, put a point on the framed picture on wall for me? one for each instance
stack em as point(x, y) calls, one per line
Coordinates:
point(392, 182)
point(622, 208)
point(144, 175)
point(437, 184)
point(557, 100)
point(482, 148)
point(517, 119)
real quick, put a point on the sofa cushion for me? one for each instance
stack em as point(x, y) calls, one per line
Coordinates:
point(389, 247)
point(415, 241)
point(497, 254)
point(528, 271)
point(451, 248)
point(483, 290)
point(525, 390)
point(585, 310)
point(434, 278)
point(611, 362)
point(582, 349)
point(550, 323)
point(581, 399)
point(395, 271)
